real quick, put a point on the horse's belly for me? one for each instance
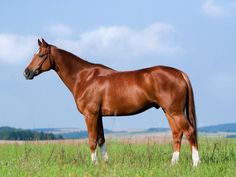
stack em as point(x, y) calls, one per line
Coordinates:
point(127, 95)
point(125, 106)
point(121, 111)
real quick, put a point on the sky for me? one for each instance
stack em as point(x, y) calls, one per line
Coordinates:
point(197, 37)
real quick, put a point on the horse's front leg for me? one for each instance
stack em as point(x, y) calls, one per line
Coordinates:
point(91, 122)
point(101, 139)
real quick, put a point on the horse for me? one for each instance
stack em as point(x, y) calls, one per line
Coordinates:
point(101, 91)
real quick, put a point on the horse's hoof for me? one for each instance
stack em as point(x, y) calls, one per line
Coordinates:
point(174, 162)
point(196, 163)
point(175, 158)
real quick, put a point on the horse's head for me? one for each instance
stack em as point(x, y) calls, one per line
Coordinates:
point(40, 62)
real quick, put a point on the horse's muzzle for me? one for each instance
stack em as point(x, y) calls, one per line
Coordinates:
point(29, 75)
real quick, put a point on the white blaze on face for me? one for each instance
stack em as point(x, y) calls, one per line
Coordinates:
point(37, 52)
point(104, 152)
point(175, 157)
point(195, 156)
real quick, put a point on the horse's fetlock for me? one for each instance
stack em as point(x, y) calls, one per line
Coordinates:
point(92, 145)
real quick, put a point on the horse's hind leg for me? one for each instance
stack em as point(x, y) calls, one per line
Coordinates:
point(177, 135)
point(183, 124)
point(101, 139)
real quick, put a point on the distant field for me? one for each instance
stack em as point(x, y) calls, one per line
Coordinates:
point(129, 157)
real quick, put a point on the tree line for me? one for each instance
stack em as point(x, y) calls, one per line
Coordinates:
point(8, 133)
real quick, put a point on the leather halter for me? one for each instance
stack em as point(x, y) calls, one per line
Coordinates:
point(43, 58)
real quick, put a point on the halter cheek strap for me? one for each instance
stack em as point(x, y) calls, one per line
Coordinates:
point(46, 55)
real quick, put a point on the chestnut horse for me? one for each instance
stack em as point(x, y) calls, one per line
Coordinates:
point(101, 91)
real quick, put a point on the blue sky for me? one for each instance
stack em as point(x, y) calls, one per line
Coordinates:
point(197, 37)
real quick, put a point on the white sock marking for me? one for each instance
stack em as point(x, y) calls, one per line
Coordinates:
point(195, 157)
point(104, 152)
point(175, 158)
point(94, 157)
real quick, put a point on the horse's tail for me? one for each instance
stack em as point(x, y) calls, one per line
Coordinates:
point(190, 106)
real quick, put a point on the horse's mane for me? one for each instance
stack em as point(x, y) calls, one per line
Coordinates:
point(70, 55)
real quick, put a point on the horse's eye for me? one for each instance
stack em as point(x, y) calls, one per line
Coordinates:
point(41, 55)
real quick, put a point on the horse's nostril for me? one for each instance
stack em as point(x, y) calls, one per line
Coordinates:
point(36, 72)
point(26, 72)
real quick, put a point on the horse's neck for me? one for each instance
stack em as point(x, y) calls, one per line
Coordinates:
point(74, 71)
point(69, 67)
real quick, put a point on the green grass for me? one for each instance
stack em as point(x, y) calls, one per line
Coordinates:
point(218, 159)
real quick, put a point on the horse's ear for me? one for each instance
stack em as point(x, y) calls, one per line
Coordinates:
point(39, 42)
point(44, 43)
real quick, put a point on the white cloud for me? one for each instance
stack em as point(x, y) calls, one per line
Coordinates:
point(210, 8)
point(155, 39)
point(105, 42)
point(60, 30)
point(15, 48)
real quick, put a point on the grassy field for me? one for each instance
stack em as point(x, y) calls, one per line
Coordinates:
point(218, 159)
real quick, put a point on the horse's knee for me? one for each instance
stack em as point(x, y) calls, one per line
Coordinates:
point(177, 137)
point(176, 134)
